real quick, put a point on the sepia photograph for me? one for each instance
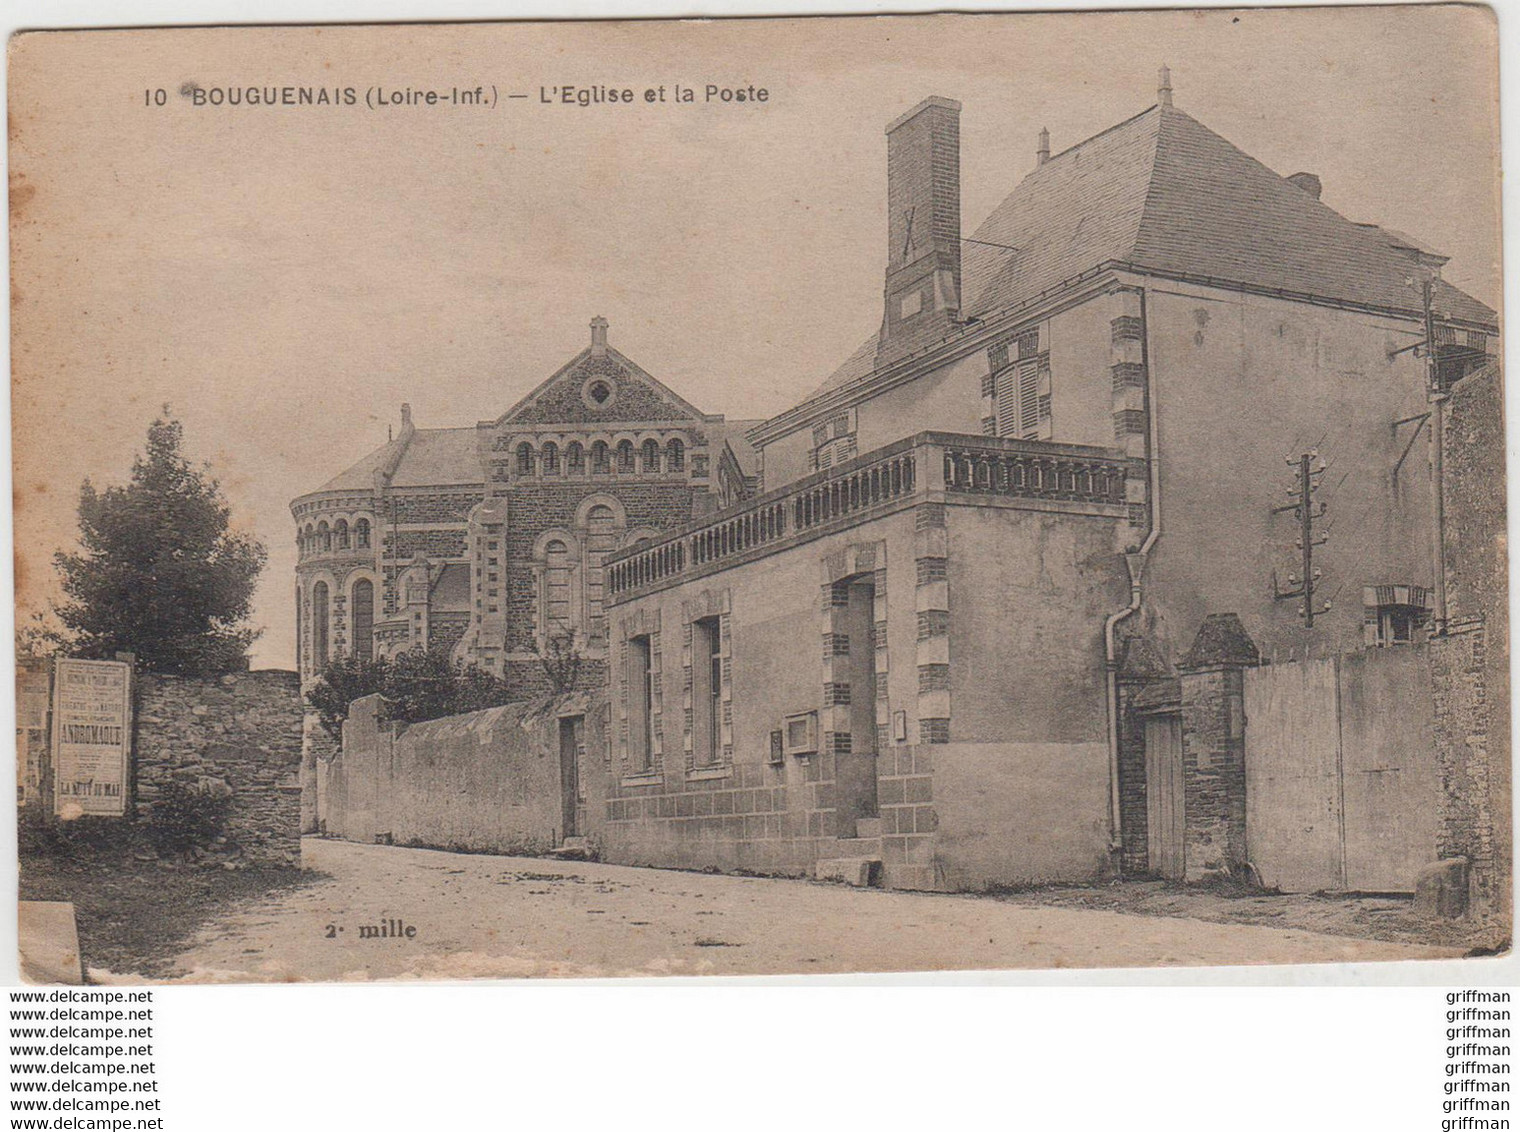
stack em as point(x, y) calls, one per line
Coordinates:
point(809, 496)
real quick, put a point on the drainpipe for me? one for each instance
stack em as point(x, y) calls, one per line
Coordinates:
point(1438, 505)
point(1437, 397)
point(1135, 562)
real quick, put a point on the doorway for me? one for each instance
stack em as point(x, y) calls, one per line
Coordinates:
point(855, 769)
point(572, 758)
point(1164, 811)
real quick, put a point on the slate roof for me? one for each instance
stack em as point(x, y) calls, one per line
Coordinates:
point(743, 450)
point(431, 456)
point(1163, 192)
point(361, 477)
point(439, 456)
point(451, 589)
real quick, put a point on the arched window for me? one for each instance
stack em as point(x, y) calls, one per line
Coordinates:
point(319, 624)
point(364, 619)
point(602, 538)
point(324, 537)
point(361, 534)
point(340, 534)
point(550, 458)
point(575, 459)
point(600, 465)
point(675, 455)
point(625, 457)
point(557, 566)
point(525, 459)
point(651, 456)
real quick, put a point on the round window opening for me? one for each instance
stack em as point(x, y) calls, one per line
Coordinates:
point(600, 392)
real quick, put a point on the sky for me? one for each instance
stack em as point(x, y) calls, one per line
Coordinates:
point(284, 278)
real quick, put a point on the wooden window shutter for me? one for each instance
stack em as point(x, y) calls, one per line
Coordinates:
point(1029, 400)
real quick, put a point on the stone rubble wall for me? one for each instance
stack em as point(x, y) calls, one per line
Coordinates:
point(243, 730)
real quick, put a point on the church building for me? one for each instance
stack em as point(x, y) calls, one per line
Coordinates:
point(489, 542)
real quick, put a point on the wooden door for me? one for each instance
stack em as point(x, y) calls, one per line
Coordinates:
point(1163, 795)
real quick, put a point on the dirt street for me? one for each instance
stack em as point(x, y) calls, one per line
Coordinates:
point(392, 913)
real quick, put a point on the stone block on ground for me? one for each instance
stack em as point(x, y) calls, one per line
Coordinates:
point(1441, 889)
point(49, 943)
point(857, 872)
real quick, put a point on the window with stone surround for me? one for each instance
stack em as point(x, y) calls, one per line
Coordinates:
point(361, 534)
point(1394, 615)
point(363, 608)
point(707, 691)
point(575, 459)
point(319, 626)
point(1020, 386)
point(675, 455)
point(557, 570)
point(833, 441)
point(640, 703)
point(602, 534)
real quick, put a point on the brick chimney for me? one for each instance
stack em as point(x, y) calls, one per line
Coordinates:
point(598, 336)
point(923, 285)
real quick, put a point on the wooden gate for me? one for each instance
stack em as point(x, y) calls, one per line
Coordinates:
point(1164, 794)
point(1388, 760)
point(1341, 783)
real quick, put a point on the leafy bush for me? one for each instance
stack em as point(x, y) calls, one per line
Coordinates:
point(85, 837)
point(341, 682)
point(187, 816)
point(417, 685)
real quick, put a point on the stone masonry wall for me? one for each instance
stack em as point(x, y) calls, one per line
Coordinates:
point(1214, 774)
point(549, 506)
point(1458, 670)
point(1470, 669)
point(1134, 818)
point(243, 730)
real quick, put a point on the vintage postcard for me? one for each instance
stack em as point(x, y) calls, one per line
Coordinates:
point(766, 496)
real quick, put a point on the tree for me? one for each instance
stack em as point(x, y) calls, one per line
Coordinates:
point(160, 572)
point(560, 658)
point(343, 680)
point(417, 685)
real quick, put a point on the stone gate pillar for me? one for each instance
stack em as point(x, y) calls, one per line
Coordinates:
point(1213, 746)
